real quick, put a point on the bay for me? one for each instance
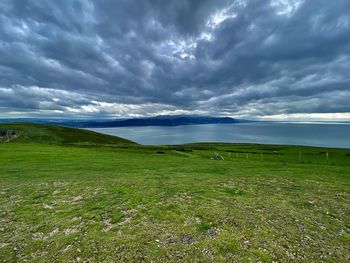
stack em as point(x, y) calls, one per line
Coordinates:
point(310, 134)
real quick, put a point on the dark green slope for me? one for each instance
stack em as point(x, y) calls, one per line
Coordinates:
point(52, 134)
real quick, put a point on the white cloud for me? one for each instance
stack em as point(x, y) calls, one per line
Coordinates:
point(336, 116)
point(217, 18)
point(286, 7)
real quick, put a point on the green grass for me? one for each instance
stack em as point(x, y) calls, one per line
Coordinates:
point(62, 201)
point(51, 134)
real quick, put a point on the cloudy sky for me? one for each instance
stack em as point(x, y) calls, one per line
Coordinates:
point(257, 59)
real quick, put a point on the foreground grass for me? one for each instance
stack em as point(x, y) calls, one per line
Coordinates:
point(170, 204)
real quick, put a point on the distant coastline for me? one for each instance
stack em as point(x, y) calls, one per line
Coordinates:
point(163, 120)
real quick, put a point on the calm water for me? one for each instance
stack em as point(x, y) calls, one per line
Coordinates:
point(328, 135)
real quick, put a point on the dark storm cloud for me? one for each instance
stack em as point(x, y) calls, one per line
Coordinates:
point(116, 58)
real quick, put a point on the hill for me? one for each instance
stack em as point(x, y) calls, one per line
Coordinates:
point(160, 121)
point(52, 134)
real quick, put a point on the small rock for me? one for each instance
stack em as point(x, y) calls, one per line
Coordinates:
point(186, 239)
point(67, 248)
point(77, 198)
point(212, 232)
point(217, 156)
point(170, 240)
point(46, 206)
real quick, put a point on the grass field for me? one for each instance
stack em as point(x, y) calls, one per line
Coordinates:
point(75, 196)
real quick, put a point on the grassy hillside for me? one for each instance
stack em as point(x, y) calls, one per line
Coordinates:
point(51, 134)
point(173, 203)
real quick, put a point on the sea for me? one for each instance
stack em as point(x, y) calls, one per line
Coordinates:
point(323, 134)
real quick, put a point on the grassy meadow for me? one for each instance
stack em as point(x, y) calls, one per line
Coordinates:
point(68, 195)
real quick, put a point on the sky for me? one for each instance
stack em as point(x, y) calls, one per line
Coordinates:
point(252, 59)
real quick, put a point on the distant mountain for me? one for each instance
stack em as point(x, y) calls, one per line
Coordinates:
point(163, 120)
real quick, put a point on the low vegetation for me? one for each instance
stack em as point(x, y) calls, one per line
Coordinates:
point(51, 134)
point(70, 195)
